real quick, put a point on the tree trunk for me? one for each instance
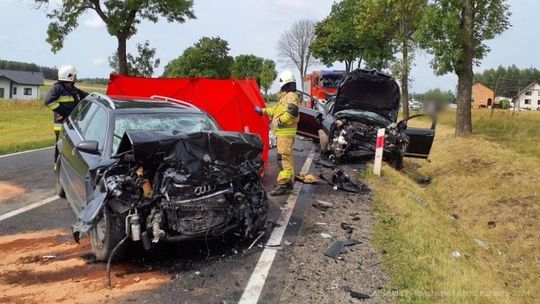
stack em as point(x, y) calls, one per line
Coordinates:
point(302, 75)
point(266, 94)
point(464, 72)
point(405, 80)
point(348, 65)
point(122, 55)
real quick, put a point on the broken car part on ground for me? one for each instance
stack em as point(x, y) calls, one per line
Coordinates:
point(347, 124)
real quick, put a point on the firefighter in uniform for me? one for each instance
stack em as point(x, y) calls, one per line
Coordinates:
point(63, 98)
point(284, 116)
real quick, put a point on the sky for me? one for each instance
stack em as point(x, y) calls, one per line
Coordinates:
point(250, 27)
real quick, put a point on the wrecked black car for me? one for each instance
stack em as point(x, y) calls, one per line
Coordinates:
point(157, 170)
point(347, 123)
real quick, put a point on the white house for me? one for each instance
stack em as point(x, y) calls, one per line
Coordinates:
point(21, 85)
point(529, 98)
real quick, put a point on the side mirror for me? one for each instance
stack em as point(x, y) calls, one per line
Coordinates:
point(89, 146)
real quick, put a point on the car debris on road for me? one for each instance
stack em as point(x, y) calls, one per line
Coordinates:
point(338, 246)
point(322, 205)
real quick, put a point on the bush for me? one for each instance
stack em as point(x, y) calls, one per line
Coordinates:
point(504, 104)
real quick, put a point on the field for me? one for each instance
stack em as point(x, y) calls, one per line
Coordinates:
point(28, 125)
point(25, 125)
point(477, 200)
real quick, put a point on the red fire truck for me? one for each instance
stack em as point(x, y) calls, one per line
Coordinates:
point(322, 84)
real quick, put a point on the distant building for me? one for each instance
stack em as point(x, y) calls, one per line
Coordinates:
point(529, 98)
point(482, 96)
point(22, 85)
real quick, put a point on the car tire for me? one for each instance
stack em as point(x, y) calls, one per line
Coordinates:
point(397, 162)
point(58, 186)
point(106, 234)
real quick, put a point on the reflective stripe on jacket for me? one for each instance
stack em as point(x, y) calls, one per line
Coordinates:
point(63, 100)
point(285, 113)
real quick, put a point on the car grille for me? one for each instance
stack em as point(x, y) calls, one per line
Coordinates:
point(179, 192)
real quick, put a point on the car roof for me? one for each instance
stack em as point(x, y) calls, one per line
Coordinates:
point(128, 104)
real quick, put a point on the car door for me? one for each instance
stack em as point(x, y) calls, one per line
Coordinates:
point(96, 130)
point(309, 123)
point(421, 139)
point(71, 136)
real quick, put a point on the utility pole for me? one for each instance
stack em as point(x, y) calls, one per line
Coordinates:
point(516, 101)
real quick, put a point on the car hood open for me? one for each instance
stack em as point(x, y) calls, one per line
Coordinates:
point(370, 91)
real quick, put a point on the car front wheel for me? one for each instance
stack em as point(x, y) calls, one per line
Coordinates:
point(106, 234)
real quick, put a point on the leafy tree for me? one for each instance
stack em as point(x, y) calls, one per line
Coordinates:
point(120, 16)
point(376, 28)
point(454, 31)
point(142, 65)
point(209, 57)
point(267, 76)
point(333, 38)
point(407, 15)
point(293, 46)
point(247, 66)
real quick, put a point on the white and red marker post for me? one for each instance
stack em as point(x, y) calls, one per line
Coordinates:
point(379, 147)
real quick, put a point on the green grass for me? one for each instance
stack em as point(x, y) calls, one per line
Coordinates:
point(25, 125)
point(489, 176)
point(519, 131)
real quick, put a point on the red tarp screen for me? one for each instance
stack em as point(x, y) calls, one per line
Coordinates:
point(230, 101)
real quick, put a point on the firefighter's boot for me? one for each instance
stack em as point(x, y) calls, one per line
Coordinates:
point(279, 190)
point(290, 185)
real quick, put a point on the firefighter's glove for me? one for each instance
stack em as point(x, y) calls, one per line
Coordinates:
point(259, 110)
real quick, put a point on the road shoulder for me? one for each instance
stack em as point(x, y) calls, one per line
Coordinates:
point(317, 278)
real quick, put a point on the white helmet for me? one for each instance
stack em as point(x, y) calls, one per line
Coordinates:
point(286, 77)
point(67, 73)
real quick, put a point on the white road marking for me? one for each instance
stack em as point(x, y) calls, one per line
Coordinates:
point(27, 208)
point(23, 152)
point(256, 282)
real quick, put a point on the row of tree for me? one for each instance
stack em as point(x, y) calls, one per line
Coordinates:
point(48, 73)
point(507, 81)
point(436, 95)
point(453, 31)
point(209, 57)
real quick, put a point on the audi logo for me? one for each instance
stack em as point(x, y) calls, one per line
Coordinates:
point(200, 190)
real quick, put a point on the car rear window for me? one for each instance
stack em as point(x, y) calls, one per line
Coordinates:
point(185, 123)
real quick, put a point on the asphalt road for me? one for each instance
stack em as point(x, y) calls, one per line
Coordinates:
point(216, 271)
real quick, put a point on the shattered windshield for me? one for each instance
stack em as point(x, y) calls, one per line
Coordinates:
point(185, 123)
point(365, 115)
point(331, 81)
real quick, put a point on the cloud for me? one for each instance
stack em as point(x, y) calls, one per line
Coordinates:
point(94, 21)
point(99, 61)
point(5, 38)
